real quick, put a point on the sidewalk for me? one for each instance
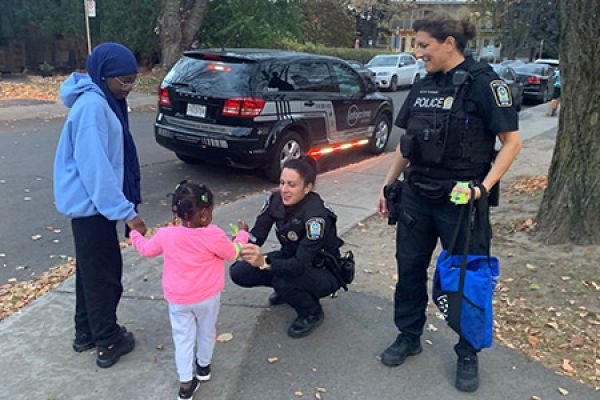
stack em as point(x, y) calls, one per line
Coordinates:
point(339, 357)
point(16, 110)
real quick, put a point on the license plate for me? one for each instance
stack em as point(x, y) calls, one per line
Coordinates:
point(196, 110)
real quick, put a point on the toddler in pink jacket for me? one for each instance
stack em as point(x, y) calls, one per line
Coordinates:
point(193, 278)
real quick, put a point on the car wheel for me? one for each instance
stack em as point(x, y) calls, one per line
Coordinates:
point(288, 147)
point(381, 135)
point(189, 159)
point(394, 84)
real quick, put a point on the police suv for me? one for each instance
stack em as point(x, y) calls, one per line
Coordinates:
point(257, 108)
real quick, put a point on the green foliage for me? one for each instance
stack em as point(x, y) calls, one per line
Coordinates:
point(129, 22)
point(363, 54)
point(249, 23)
point(326, 22)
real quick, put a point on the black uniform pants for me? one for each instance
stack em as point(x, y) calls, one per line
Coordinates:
point(98, 272)
point(421, 222)
point(301, 292)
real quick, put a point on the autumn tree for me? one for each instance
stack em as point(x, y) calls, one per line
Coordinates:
point(178, 23)
point(569, 209)
point(327, 22)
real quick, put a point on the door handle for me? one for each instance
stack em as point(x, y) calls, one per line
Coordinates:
point(309, 103)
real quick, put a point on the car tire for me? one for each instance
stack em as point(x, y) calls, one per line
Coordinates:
point(189, 159)
point(289, 146)
point(394, 84)
point(381, 134)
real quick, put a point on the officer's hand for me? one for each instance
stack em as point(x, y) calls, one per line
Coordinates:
point(467, 191)
point(252, 254)
point(137, 224)
point(382, 209)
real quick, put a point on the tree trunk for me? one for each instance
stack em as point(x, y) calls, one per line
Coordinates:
point(178, 28)
point(570, 207)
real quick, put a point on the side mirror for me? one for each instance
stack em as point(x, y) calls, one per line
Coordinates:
point(402, 64)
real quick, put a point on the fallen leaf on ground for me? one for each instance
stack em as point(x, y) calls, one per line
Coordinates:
point(224, 337)
point(272, 360)
point(563, 391)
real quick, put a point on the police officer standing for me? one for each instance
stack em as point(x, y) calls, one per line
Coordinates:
point(452, 118)
point(306, 228)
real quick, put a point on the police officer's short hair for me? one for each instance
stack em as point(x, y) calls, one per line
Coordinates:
point(305, 166)
point(440, 25)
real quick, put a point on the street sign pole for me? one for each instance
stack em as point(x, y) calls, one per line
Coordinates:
point(87, 27)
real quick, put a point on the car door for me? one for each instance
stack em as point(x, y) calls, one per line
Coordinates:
point(311, 99)
point(408, 67)
point(354, 113)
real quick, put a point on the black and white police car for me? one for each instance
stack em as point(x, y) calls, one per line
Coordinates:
point(257, 108)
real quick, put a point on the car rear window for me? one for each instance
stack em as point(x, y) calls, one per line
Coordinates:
point(385, 61)
point(212, 76)
point(531, 68)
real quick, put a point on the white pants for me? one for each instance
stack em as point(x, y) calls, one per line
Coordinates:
point(194, 324)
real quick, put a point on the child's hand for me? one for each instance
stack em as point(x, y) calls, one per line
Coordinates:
point(243, 226)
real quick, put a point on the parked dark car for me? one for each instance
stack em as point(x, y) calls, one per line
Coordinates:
point(362, 69)
point(538, 81)
point(257, 108)
point(509, 76)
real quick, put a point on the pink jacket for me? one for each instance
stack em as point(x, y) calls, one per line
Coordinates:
point(194, 270)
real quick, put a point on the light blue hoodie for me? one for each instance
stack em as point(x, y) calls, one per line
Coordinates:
point(88, 167)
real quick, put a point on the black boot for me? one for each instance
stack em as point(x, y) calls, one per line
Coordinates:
point(467, 373)
point(402, 347)
point(83, 342)
point(108, 356)
point(275, 299)
point(303, 326)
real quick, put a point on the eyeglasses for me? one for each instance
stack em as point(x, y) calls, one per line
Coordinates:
point(125, 85)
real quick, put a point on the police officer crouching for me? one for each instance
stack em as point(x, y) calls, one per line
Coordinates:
point(452, 118)
point(306, 229)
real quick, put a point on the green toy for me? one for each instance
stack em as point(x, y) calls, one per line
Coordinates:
point(460, 198)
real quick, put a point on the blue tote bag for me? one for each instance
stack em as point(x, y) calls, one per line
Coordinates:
point(463, 288)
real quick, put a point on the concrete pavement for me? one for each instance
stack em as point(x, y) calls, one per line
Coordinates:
point(36, 355)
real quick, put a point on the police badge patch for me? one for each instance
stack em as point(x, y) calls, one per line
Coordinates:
point(448, 101)
point(315, 228)
point(501, 93)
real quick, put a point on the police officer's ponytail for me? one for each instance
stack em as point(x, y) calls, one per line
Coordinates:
point(305, 166)
point(440, 25)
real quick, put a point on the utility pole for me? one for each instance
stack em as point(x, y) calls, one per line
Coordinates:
point(90, 11)
point(541, 48)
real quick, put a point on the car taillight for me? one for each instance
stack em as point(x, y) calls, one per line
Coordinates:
point(163, 97)
point(534, 80)
point(246, 107)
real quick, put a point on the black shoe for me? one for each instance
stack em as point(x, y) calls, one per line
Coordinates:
point(83, 342)
point(467, 373)
point(202, 373)
point(188, 393)
point(402, 347)
point(108, 356)
point(275, 299)
point(303, 326)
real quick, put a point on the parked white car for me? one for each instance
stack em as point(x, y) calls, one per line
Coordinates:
point(393, 70)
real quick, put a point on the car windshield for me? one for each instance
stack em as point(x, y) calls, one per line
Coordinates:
point(384, 61)
point(211, 77)
point(531, 69)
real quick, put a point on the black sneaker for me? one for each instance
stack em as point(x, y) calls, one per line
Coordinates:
point(303, 326)
point(188, 393)
point(467, 373)
point(202, 373)
point(108, 356)
point(402, 347)
point(275, 299)
point(83, 342)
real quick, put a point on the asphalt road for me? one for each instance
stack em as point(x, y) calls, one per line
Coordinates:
point(35, 237)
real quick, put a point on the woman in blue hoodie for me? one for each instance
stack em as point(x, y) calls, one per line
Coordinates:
point(96, 184)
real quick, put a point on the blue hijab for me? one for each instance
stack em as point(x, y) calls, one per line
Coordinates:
point(110, 60)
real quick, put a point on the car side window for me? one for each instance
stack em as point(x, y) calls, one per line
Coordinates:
point(408, 60)
point(273, 77)
point(311, 77)
point(348, 80)
point(509, 75)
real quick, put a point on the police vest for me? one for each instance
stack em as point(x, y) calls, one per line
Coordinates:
point(445, 129)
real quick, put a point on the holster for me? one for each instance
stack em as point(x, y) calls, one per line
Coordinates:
point(393, 200)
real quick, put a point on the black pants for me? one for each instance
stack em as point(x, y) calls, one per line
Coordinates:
point(99, 268)
point(302, 292)
point(420, 224)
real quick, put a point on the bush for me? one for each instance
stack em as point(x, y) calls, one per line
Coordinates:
point(363, 55)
